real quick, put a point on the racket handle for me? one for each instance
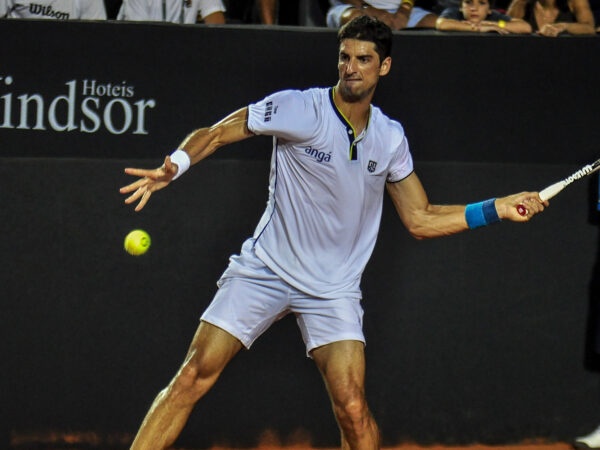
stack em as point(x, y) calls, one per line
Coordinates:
point(545, 194)
point(552, 190)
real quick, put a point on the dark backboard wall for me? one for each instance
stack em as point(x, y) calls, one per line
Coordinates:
point(478, 337)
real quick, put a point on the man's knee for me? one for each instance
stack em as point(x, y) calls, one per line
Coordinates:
point(211, 350)
point(352, 411)
point(195, 377)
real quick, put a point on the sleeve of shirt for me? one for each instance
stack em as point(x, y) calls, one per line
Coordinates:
point(401, 164)
point(289, 115)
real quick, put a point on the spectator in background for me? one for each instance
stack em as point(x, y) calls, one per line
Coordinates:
point(53, 9)
point(479, 17)
point(175, 11)
point(397, 14)
point(268, 11)
point(553, 17)
point(276, 12)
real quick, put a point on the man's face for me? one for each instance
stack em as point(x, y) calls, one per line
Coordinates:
point(359, 69)
point(475, 11)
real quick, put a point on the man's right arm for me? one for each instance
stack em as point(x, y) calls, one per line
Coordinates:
point(195, 147)
point(205, 141)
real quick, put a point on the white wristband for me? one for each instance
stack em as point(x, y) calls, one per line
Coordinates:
point(182, 159)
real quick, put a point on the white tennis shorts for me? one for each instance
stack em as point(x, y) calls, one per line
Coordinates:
point(251, 298)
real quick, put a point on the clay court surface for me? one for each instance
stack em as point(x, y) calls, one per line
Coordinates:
point(554, 446)
point(53, 440)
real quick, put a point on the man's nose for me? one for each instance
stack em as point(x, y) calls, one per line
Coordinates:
point(350, 66)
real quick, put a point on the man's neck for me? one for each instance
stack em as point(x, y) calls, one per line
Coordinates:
point(356, 112)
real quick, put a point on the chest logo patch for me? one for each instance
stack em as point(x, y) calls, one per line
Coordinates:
point(318, 155)
point(372, 166)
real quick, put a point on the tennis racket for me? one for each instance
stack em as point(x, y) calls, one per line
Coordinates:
point(550, 191)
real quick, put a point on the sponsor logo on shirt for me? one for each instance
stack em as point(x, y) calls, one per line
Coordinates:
point(268, 112)
point(318, 155)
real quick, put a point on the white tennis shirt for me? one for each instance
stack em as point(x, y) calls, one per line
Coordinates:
point(325, 189)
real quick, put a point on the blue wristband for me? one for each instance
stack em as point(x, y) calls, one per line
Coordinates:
point(481, 214)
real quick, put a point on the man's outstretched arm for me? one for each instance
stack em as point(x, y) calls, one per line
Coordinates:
point(424, 220)
point(195, 147)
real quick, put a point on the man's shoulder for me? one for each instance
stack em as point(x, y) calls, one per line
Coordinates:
point(383, 121)
point(313, 92)
point(309, 92)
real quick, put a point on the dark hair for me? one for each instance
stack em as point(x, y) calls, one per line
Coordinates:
point(366, 28)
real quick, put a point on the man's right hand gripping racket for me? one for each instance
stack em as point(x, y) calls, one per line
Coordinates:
point(550, 191)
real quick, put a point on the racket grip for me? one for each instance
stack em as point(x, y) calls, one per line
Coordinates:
point(552, 190)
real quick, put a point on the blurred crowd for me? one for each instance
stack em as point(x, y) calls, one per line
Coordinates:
point(542, 17)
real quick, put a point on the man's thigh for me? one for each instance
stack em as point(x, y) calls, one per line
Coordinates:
point(342, 364)
point(212, 348)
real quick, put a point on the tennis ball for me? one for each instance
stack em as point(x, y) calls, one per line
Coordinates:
point(137, 242)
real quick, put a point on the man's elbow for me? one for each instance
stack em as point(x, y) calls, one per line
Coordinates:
point(417, 231)
point(421, 230)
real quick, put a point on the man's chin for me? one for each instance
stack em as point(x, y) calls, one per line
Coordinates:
point(353, 96)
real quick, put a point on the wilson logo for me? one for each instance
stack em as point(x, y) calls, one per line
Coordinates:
point(47, 11)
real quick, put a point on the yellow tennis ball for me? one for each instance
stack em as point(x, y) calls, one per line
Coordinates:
point(137, 242)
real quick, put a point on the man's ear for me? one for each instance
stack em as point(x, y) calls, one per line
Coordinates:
point(385, 67)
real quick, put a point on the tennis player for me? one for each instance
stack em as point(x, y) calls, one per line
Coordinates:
point(334, 155)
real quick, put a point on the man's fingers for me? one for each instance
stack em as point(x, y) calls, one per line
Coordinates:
point(150, 173)
point(143, 201)
point(142, 195)
point(133, 186)
point(148, 182)
point(135, 196)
